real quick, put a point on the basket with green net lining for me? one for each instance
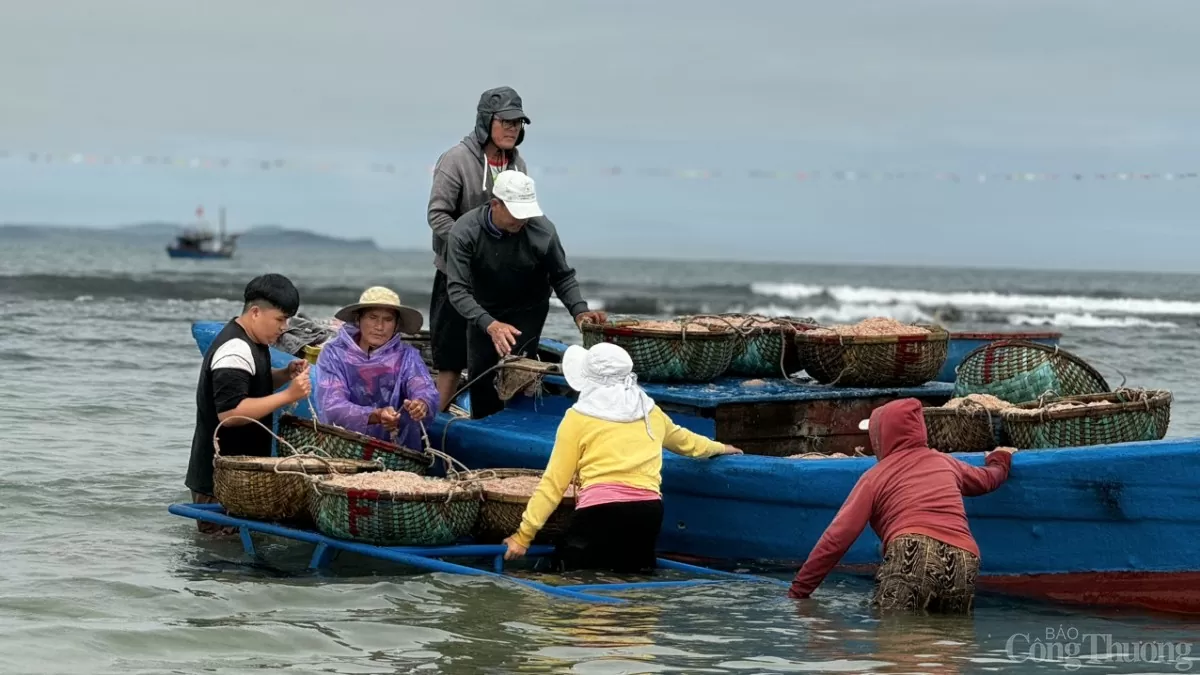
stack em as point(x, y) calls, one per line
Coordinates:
point(346, 444)
point(662, 351)
point(971, 428)
point(504, 503)
point(397, 509)
point(873, 360)
point(1018, 371)
point(1122, 416)
point(274, 488)
point(764, 346)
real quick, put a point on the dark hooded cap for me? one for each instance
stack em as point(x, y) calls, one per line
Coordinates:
point(502, 103)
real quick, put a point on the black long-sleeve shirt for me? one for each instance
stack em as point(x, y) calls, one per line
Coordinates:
point(490, 273)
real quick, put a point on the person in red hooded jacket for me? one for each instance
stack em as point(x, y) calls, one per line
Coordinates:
point(913, 500)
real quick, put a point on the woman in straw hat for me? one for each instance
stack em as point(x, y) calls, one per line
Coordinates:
point(613, 436)
point(369, 380)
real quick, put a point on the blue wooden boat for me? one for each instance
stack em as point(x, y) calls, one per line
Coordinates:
point(1103, 525)
point(962, 344)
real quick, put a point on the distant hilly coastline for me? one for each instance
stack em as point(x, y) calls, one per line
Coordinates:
point(259, 236)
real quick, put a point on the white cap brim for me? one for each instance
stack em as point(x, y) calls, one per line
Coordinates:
point(573, 362)
point(524, 210)
point(865, 424)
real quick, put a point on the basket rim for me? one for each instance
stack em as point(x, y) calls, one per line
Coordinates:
point(1054, 351)
point(937, 411)
point(936, 334)
point(464, 493)
point(346, 434)
point(491, 496)
point(1155, 398)
point(787, 325)
point(629, 329)
point(255, 463)
point(1022, 335)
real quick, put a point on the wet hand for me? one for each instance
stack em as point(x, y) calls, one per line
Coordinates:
point(389, 418)
point(300, 386)
point(416, 409)
point(515, 550)
point(504, 337)
point(1008, 450)
point(731, 450)
point(591, 317)
point(296, 367)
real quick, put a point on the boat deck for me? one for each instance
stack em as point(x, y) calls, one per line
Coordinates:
point(429, 558)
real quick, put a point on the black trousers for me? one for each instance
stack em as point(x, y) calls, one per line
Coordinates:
point(447, 329)
point(618, 537)
point(481, 355)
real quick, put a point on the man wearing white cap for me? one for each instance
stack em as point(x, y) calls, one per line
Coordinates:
point(503, 260)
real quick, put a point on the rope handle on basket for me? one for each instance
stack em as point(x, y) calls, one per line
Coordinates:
point(987, 410)
point(1102, 363)
point(744, 329)
point(295, 450)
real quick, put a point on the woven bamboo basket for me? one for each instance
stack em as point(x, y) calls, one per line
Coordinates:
point(346, 444)
point(1123, 416)
point(387, 518)
point(874, 360)
point(523, 375)
point(765, 346)
point(251, 487)
point(662, 356)
point(967, 429)
point(1018, 371)
point(501, 512)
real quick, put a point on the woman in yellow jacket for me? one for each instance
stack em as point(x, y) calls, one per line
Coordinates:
point(613, 436)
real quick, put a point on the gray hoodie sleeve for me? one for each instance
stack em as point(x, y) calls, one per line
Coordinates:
point(443, 197)
point(562, 276)
point(459, 285)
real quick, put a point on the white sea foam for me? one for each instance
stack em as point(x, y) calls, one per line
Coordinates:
point(974, 300)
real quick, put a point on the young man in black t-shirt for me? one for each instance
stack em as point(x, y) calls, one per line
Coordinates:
point(237, 382)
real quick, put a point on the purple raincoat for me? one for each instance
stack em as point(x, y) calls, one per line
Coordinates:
point(352, 385)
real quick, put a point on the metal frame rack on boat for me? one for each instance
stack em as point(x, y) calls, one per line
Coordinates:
point(428, 557)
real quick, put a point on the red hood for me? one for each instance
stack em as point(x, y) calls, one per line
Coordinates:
point(896, 426)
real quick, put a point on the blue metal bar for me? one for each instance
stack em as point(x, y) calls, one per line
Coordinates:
point(467, 550)
point(642, 585)
point(668, 564)
point(498, 563)
point(247, 542)
point(320, 556)
point(411, 559)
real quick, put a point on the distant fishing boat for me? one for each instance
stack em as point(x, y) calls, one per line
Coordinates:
point(200, 242)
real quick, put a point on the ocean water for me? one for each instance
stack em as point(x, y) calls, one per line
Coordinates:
point(97, 378)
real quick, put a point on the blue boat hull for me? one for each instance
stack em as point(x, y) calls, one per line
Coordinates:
point(962, 344)
point(1101, 525)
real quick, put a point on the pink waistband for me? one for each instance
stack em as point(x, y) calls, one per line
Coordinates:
point(608, 493)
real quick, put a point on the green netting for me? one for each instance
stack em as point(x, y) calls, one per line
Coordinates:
point(760, 354)
point(349, 445)
point(1018, 372)
point(371, 518)
point(1146, 419)
point(671, 358)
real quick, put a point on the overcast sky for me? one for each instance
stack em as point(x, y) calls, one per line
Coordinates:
point(787, 85)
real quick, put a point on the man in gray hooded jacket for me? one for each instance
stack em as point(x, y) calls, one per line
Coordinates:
point(462, 181)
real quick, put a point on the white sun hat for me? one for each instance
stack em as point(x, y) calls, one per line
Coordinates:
point(517, 192)
point(378, 297)
point(607, 386)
